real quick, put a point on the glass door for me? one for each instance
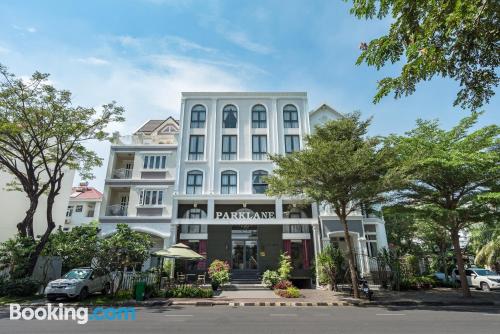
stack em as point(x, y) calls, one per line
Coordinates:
point(244, 255)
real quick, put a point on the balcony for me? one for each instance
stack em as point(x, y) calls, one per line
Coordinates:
point(117, 210)
point(122, 173)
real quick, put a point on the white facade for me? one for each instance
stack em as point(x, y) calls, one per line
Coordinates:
point(13, 205)
point(140, 181)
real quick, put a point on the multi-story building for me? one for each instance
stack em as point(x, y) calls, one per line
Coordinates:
point(220, 205)
point(83, 207)
point(201, 181)
point(140, 181)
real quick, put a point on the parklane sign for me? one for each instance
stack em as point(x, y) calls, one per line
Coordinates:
point(244, 215)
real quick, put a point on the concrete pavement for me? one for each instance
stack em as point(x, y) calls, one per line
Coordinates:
point(290, 320)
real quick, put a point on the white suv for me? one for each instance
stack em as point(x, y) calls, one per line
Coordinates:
point(78, 282)
point(479, 278)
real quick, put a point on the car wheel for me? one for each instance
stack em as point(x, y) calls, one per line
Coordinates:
point(485, 286)
point(84, 293)
point(107, 289)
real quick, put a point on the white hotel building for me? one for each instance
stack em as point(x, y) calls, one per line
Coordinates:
point(213, 196)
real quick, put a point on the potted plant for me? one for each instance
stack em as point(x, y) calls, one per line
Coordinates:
point(218, 271)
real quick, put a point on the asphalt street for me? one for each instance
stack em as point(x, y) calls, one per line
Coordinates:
point(261, 320)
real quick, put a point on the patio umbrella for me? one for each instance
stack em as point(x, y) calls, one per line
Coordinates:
point(179, 251)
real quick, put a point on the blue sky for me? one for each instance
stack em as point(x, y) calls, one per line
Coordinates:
point(143, 53)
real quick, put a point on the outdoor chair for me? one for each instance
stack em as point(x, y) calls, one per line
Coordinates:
point(201, 279)
point(181, 278)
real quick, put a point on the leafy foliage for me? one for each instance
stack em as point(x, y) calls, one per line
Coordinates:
point(285, 267)
point(456, 39)
point(218, 271)
point(331, 261)
point(290, 292)
point(339, 165)
point(270, 278)
point(186, 291)
point(15, 254)
point(446, 175)
point(18, 287)
point(489, 254)
point(76, 248)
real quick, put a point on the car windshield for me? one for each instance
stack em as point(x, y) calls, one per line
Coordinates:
point(484, 272)
point(77, 274)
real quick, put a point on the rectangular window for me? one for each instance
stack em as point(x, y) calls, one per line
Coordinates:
point(151, 197)
point(229, 144)
point(192, 228)
point(259, 119)
point(90, 210)
point(69, 211)
point(228, 183)
point(292, 143)
point(155, 162)
point(259, 147)
point(79, 208)
point(196, 147)
point(194, 183)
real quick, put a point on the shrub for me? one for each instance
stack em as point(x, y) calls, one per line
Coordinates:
point(290, 292)
point(418, 282)
point(283, 285)
point(19, 287)
point(270, 278)
point(152, 291)
point(285, 266)
point(330, 260)
point(186, 291)
point(218, 271)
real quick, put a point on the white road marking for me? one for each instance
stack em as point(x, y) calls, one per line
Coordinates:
point(282, 315)
point(178, 315)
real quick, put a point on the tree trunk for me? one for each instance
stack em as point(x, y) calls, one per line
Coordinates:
point(351, 259)
point(460, 263)
point(45, 237)
point(25, 228)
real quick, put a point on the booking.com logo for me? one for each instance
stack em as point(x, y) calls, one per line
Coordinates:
point(81, 314)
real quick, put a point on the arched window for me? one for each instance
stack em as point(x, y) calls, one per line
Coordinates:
point(259, 118)
point(194, 182)
point(198, 116)
point(290, 116)
point(258, 183)
point(228, 182)
point(229, 117)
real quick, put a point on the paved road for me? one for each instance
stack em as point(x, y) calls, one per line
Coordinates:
point(289, 320)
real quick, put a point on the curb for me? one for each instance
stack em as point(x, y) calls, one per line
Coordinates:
point(291, 304)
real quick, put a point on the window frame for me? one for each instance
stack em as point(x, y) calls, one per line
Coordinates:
point(195, 188)
point(194, 153)
point(230, 154)
point(259, 122)
point(262, 184)
point(151, 197)
point(154, 162)
point(229, 188)
point(257, 153)
point(227, 110)
point(290, 117)
point(198, 122)
point(79, 208)
point(292, 142)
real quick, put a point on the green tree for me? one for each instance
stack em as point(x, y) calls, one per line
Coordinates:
point(401, 228)
point(42, 136)
point(330, 261)
point(123, 249)
point(339, 165)
point(489, 254)
point(445, 174)
point(76, 248)
point(446, 38)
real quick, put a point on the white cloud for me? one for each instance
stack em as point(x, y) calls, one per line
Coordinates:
point(93, 61)
point(25, 29)
point(241, 39)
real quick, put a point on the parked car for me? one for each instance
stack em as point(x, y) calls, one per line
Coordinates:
point(78, 282)
point(480, 278)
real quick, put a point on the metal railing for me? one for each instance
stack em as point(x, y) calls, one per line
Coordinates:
point(117, 210)
point(122, 173)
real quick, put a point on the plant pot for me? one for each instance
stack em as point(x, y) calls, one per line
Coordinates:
point(215, 286)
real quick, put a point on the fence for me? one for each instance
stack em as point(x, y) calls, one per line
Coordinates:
point(130, 278)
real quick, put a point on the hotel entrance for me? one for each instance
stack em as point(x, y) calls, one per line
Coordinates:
point(244, 251)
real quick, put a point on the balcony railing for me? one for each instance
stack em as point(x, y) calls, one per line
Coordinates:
point(117, 210)
point(122, 173)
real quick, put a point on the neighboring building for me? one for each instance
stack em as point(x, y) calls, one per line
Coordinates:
point(140, 182)
point(13, 205)
point(83, 207)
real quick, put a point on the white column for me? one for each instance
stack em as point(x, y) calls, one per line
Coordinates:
point(278, 208)
point(211, 137)
point(381, 236)
point(317, 249)
point(365, 271)
point(210, 208)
